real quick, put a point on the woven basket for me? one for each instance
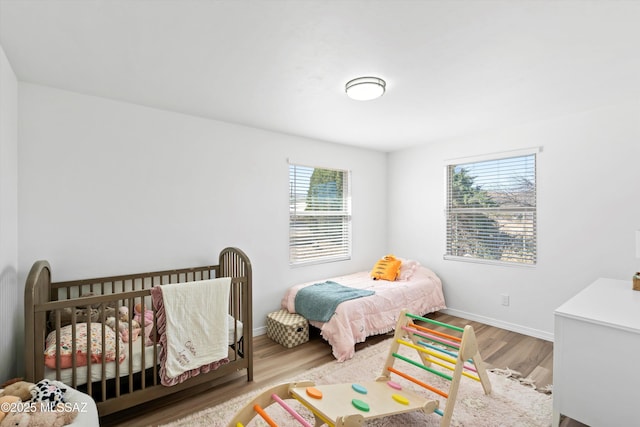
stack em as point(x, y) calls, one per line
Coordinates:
point(288, 329)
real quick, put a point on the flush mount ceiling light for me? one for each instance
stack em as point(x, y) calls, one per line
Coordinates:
point(365, 88)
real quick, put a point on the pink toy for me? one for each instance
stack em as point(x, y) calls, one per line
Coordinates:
point(124, 334)
point(124, 325)
point(148, 322)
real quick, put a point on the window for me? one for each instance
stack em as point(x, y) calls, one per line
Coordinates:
point(319, 215)
point(491, 209)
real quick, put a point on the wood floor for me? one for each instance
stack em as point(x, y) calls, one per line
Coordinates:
point(499, 348)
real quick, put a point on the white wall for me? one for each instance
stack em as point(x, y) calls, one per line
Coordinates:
point(588, 211)
point(108, 187)
point(10, 292)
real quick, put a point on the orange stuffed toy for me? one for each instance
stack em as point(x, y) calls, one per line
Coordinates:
point(386, 269)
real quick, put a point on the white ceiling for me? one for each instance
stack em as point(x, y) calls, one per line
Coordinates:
point(452, 67)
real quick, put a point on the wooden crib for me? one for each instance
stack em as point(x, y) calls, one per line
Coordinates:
point(135, 380)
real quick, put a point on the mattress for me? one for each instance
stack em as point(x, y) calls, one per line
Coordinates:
point(135, 358)
point(356, 319)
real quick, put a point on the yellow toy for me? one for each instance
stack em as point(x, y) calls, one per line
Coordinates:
point(5, 403)
point(350, 405)
point(39, 418)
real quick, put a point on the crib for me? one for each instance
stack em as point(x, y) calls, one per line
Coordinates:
point(128, 374)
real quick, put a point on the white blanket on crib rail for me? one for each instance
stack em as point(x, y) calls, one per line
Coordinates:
point(195, 327)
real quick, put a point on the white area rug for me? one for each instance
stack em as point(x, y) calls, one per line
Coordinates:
point(512, 403)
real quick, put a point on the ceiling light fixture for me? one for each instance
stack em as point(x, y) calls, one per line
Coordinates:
point(365, 88)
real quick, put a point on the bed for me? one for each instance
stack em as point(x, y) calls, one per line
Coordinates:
point(115, 373)
point(417, 289)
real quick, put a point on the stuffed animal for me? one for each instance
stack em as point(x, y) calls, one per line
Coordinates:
point(123, 325)
point(17, 387)
point(5, 405)
point(8, 382)
point(124, 317)
point(39, 419)
point(83, 313)
point(109, 307)
point(123, 329)
point(123, 313)
point(148, 315)
point(111, 322)
point(48, 393)
point(36, 398)
point(148, 322)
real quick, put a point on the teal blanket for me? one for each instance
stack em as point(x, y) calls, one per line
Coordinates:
point(318, 302)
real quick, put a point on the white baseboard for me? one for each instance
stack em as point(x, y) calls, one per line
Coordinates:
point(536, 333)
point(476, 318)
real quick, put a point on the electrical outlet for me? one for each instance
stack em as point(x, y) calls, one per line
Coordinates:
point(505, 299)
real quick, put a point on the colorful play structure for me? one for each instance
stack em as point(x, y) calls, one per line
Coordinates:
point(447, 355)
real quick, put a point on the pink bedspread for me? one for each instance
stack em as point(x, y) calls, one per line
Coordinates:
point(359, 318)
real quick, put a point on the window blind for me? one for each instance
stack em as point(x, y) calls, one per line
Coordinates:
point(319, 215)
point(491, 210)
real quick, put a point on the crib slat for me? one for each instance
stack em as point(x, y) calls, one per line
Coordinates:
point(118, 350)
point(103, 375)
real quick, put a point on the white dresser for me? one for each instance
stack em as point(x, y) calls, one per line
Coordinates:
point(596, 355)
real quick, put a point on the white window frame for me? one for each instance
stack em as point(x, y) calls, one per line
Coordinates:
point(526, 230)
point(330, 241)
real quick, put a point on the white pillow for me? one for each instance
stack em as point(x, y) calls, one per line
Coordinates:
point(407, 268)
